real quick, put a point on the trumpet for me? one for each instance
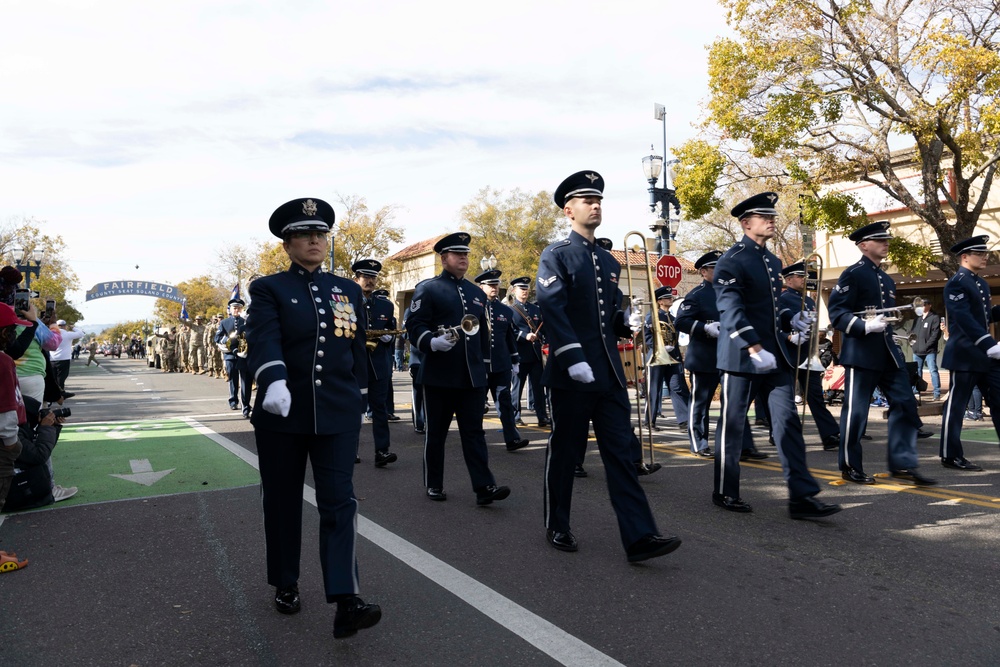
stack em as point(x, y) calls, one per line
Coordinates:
point(469, 325)
point(910, 340)
point(372, 336)
point(893, 314)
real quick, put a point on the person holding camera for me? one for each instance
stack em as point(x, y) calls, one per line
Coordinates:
point(11, 415)
point(38, 434)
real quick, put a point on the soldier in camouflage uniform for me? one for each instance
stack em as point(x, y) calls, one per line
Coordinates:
point(183, 338)
point(196, 347)
point(214, 354)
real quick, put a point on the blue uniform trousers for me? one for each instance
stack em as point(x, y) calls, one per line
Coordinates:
point(418, 405)
point(282, 458)
point(671, 375)
point(390, 398)
point(962, 383)
point(499, 384)
point(532, 371)
point(703, 386)
point(572, 413)
point(466, 405)
point(811, 383)
point(731, 434)
point(859, 384)
point(378, 391)
point(239, 380)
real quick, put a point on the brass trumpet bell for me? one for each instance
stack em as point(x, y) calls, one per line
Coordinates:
point(469, 326)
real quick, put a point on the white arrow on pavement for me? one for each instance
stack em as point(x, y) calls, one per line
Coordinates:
point(142, 473)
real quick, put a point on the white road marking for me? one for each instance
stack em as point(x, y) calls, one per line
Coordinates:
point(540, 633)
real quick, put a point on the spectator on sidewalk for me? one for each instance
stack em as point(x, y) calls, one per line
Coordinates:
point(928, 332)
point(62, 355)
point(11, 414)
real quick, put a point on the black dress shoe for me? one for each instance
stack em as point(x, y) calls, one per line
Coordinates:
point(515, 445)
point(706, 453)
point(646, 468)
point(810, 508)
point(579, 471)
point(924, 434)
point(752, 455)
point(960, 463)
point(856, 476)
point(731, 504)
point(393, 418)
point(562, 541)
point(419, 430)
point(519, 422)
point(382, 459)
point(436, 494)
point(683, 426)
point(651, 546)
point(232, 406)
point(912, 476)
point(831, 443)
point(286, 600)
point(865, 436)
point(354, 615)
point(761, 422)
point(68, 394)
point(246, 413)
point(544, 423)
point(357, 460)
point(492, 492)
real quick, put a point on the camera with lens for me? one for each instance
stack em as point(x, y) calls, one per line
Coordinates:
point(60, 413)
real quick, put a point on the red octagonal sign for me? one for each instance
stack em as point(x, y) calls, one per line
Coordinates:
point(668, 271)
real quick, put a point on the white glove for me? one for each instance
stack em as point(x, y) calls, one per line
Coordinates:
point(581, 372)
point(802, 321)
point(763, 361)
point(798, 338)
point(668, 348)
point(876, 325)
point(635, 321)
point(515, 368)
point(442, 343)
point(712, 329)
point(994, 352)
point(277, 400)
point(386, 338)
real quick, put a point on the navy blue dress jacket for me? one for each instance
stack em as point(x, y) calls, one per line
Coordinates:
point(697, 310)
point(862, 285)
point(967, 301)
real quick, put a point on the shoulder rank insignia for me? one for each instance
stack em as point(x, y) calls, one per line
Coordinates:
point(726, 282)
point(843, 289)
point(415, 306)
point(545, 282)
point(957, 297)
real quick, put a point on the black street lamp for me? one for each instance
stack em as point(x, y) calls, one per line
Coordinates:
point(661, 200)
point(32, 265)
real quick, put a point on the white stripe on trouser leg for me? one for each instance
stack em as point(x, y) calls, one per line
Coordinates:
point(694, 397)
point(848, 402)
point(944, 427)
point(721, 453)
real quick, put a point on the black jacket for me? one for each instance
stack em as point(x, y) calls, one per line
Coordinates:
point(928, 330)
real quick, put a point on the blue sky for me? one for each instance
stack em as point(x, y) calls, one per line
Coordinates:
point(157, 134)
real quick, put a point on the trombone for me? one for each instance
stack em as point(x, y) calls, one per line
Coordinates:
point(812, 263)
point(664, 333)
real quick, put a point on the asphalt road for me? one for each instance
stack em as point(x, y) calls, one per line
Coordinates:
point(173, 573)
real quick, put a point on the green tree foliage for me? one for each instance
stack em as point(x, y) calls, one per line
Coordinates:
point(55, 277)
point(363, 234)
point(513, 227)
point(123, 331)
point(837, 91)
point(205, 297)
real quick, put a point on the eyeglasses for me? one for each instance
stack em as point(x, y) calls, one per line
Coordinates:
point(979, 253)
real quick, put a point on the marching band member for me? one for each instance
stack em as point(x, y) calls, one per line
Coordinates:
point(873, 359)
point(752, 354)
point(528, 319)
point(670, 374)
point(453, 372)
point(226, 337)
point(970, 353)
point(307, 354)
point(581, 305)
point(811, 381)
point(378, 315)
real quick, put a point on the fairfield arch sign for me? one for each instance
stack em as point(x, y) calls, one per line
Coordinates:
point(134, 288)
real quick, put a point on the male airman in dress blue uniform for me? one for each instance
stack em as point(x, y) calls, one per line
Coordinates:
point(971, 353)
point(226, 336)
point(872, 358)
point(698, 317)
point(810, 379)
point(752, 354)
point(528, 320)
point(453, 372)
point(671, 374)
point(307, 355)
point(503, 360)
point(581, 305)
point(378, 314)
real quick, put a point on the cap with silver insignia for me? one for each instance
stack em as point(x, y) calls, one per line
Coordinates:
point(762, 204)
point(876, 231)
point(301, 215)
point(708, 260)
point(524, 282)
point(973, 244)
point(457, 242)
point(605, 243)
point(580, 184)
point(489, 277)
point(367, 267)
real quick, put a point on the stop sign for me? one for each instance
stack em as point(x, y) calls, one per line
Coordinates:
point(668, 271)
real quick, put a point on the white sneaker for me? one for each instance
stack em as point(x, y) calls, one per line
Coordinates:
point(62, 492)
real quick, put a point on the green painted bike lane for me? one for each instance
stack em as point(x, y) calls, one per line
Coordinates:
point(136, 459)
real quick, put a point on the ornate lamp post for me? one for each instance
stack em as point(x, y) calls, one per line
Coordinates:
point(32, 264)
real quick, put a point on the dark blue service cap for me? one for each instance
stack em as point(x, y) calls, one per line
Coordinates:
point(708, 260)
point(367, 267)
point(381, 292)
point(236, 302)
point(798, 269)
point(605, 243)
point(580, 184)
point(974, 244)
point(876, 231)
point(664, 293)
point(489, 277)
point(762, 204)
point(523, 281)
point(302, 215)
point(457, 242)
